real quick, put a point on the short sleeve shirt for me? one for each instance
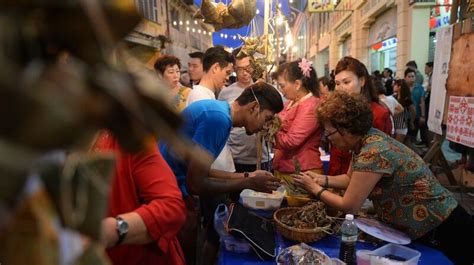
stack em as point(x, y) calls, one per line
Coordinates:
point(208, 124)
point(416, 95)
point(408, 196)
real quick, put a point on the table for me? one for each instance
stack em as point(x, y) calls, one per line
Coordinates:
point(330, 246)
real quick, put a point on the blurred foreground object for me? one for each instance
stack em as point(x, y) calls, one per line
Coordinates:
point(238, 14)
point(64, 76)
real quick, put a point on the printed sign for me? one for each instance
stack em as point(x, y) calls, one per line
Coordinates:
point(438, 79)
point(461, 120)
point(319, 6)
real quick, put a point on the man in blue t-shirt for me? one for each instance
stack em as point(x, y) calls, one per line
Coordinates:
point(418, 98)
point(208, 124)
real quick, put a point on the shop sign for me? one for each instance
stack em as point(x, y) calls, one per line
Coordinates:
point(461, 120)
point(440, 14)
point(320, 6)
point(386, 44)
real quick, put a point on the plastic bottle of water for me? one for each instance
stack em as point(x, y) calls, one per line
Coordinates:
point(220, 218)
point(347, 251)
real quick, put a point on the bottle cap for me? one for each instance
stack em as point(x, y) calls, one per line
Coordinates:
point(349, 217)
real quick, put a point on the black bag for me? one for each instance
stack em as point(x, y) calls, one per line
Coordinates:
point(259, 232)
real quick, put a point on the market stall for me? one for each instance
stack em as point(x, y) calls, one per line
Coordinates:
point(330, 246)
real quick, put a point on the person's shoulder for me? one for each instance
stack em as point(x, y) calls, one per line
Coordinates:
point(224, 94)
point(375, 140)
point(310, 102)
point(378, 108)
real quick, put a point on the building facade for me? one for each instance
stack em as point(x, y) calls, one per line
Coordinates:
point(379, 33)
point(168, 27)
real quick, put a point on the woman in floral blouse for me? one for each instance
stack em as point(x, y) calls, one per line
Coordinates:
point(168, 67)
point(405, 193)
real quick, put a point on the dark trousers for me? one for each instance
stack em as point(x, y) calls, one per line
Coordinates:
point(252, 167)
point(187, 236)
point(452, 237)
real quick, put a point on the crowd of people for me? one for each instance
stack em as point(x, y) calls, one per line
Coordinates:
point(367, 122)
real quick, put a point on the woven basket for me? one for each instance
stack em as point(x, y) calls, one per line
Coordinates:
point(296, 234)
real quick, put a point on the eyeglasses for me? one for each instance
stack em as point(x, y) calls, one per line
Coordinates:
point(247, 69)
point(331, 133)
point(255, 97)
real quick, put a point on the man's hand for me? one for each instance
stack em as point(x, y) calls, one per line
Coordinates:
point(263, 182)
point(260, 173)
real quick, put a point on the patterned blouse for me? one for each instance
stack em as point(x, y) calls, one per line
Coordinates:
point(408, 196)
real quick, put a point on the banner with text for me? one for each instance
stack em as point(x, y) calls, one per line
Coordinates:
point(461, 120)
point(444, 38)
point(320, 6)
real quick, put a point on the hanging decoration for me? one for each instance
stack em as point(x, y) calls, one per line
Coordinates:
point(238, 14)
point(257, 49)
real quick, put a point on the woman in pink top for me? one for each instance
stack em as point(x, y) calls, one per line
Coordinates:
point(300, 133)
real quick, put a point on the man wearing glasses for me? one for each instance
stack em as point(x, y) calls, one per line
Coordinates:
point(243, 146)
point(208, 123)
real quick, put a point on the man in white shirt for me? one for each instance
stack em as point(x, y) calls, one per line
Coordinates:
point(195, 67)
point(243, 146)
point(217, 65)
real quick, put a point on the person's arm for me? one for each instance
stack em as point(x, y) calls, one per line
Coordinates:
point(212, 135)
point(163, 211)
point(412, 111)
point(200, 184)
point(338, 182)
point(422, 110)
point(137, 232)
point(360, 186)
point(220, 174)
point(303, 126)
point(398, 108)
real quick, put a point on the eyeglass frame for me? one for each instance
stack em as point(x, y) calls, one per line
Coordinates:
point(329, 134)
point(249, 69)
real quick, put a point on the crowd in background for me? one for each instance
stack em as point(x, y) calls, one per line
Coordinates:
point(373, 126)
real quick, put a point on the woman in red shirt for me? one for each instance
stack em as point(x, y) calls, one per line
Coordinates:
point(145, 197)
point(300, 134)
point(352, 76)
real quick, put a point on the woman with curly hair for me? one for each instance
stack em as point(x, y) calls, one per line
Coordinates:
point(405, 193)
point(352, 76)
point(168, 67)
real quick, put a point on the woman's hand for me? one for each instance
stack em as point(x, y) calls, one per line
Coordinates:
point(318, 178)
point(307, 182)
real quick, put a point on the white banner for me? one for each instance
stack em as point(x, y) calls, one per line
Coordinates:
point(444, 38)
point(461, 120)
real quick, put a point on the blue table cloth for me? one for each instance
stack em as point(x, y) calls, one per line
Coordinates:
point(330, 246)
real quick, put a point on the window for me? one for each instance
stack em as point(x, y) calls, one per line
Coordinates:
point(148, 9)
point(174, 16)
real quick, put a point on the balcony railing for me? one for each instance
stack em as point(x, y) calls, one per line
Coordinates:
point(421, 1)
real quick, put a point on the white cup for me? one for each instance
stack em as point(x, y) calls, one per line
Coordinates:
point(363, 257)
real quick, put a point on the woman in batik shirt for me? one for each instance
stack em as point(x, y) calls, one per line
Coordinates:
point(405, 193)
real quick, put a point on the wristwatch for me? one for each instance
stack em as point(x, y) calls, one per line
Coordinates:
point(246, 174)
point(122, 229)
